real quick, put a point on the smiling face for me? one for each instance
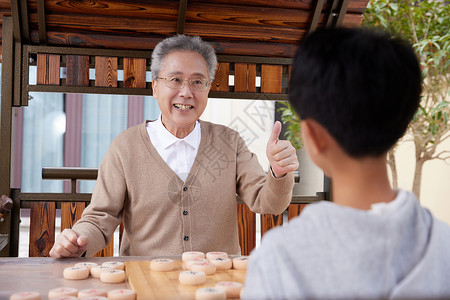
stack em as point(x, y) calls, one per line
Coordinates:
point(181, 108)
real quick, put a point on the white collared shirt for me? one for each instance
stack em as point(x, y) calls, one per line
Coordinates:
point(179, 154)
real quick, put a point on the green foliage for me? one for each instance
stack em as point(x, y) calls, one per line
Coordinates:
point(425, 24)
point(434, 118)
point(291, 125)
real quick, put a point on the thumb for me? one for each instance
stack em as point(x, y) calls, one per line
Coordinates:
point(275, 132)
point(82, 241)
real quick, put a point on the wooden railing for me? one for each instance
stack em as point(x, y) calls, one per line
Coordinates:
point(43, 219)
point(43, 213)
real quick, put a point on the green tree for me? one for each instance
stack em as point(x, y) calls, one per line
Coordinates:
point(426, 24)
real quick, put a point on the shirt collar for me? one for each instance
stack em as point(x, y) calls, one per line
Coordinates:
point(167, 139)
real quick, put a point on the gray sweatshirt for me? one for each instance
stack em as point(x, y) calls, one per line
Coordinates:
point(394, 251)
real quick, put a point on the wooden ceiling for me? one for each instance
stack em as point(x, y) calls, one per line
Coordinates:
point(236, 27)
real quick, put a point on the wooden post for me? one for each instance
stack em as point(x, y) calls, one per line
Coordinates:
point(42, 228)
point(134, 72)
point(105, 71)
point(271, 79)
point(6, 241)
point(77, 70)
point(48, 66)
point(221, 78)
point(246, 228)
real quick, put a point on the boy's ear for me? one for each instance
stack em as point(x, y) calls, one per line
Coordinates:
point(314, 136)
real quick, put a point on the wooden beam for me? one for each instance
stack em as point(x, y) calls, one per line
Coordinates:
point(316, 15)
point(95, 40)
point(87, 51)
point(16, 28)
point(337, 13)
point(19, 13)
point(332, 13)
point(156, 7)
point(181, 16)
point(143, 9)
point(7, 227)
point(41, 22)
point(24, 77)
point(342, 12)
point(144, 27)
point(17, 73)
point(24, 21)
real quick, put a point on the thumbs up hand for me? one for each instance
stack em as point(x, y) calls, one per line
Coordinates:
point(281, 154)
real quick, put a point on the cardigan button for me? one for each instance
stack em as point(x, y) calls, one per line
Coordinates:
point(185, 188)
point(185, 212)
point(186, 238)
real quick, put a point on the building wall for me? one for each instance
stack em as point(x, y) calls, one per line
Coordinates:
point(435, 188)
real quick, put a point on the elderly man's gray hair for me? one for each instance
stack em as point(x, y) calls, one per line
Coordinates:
point(183, 43)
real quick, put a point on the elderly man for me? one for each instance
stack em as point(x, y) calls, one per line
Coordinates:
point(155, 177)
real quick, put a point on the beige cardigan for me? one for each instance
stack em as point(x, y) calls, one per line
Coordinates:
point(164, 216)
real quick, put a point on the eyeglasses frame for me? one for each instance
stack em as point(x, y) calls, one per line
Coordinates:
point(208, 83)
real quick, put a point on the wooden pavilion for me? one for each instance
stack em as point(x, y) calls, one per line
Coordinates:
point(253, 38)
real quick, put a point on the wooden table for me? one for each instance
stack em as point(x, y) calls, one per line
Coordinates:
point(42, 274)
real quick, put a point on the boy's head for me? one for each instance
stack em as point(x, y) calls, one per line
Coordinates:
point(362, 86)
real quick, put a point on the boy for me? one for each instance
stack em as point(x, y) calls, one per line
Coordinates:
point(355, 92)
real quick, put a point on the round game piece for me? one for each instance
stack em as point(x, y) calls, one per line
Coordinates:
point(112, 276)
point(192, 277)
point(118, 265)
point(240, 263)
point(210, 293)
point(207, 267)
point(222, 263)
point(191, 255)
point(95, 271)
point(91, 293)
point(25, 296)
point(233, 288)
point(87, 265)
point(212, 255)
point(122, 294)
point(162, 265)
point(76, 273)
point(188, 264)
point(62, 291)
point(95, 298)
point(65, 298)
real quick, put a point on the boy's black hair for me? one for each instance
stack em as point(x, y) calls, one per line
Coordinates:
point(363, 86)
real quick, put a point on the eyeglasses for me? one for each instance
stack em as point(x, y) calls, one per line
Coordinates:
point(175, 82)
